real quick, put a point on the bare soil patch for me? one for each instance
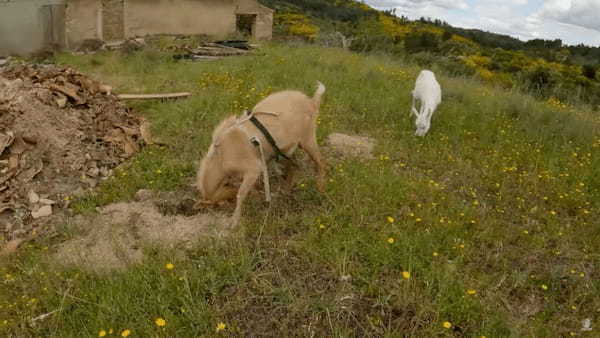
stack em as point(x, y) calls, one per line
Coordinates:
point(114, 238)
point(60, 133)
point(353, 146)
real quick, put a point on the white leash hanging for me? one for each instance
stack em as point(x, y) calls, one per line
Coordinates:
point(254, 140)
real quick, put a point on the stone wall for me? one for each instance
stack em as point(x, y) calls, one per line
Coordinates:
point(119, 19)
point(83, 21)
point(263, 27)
point(28, 26)
point(211, 17)
point(113, 21)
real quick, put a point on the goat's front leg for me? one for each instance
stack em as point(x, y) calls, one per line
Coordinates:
point(290, 170)
point(248, 181)
point(413, 110)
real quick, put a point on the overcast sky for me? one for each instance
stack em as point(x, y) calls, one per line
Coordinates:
point(572, 21)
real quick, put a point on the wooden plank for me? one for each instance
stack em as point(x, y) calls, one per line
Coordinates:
point(152, 96)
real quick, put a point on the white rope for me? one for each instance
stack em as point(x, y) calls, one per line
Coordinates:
point(248, 115)
point(264, 168)
point(245, 117)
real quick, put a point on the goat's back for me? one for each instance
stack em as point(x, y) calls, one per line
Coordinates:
point(295, 120)
point(427, 89)
point(287, 102)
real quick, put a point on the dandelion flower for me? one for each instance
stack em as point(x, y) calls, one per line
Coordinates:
point(169, 266)
point(321, 226)
point(391, 240)
point(125, 333)
point(544, 287)
point(405, 274)
point(160, 322)
point(390, 219)
point(102, 333)
point(435, 254)
point(471, 292)
point(221, 326)
point(447, 325)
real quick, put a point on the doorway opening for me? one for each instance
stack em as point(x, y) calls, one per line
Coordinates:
point(245, 24)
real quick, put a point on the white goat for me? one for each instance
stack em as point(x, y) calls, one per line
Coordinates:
point(289, 116)
point(428, 91)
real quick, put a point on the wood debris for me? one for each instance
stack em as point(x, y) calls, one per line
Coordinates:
point(152, 96)
point(215, 50)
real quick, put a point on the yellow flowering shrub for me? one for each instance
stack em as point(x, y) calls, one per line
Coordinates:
point(392, 27)
point(297, 25)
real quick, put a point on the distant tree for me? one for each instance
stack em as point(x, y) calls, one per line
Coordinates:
point(589, 71)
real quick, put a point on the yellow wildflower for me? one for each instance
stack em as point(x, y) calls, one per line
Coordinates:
point(471, 292)
point(406, 274)
point(125, 333)
point(102, 333)
point(221, 326)
point(447, 325)
point(390, 240)
point(544, 287)
point(390, 219)
point(169, 266)
point(160, 322)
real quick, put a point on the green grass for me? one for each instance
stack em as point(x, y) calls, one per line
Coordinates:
point(501, 197)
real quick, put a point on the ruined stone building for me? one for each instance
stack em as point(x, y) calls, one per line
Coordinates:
point(30, 25)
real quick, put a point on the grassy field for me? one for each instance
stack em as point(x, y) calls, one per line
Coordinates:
point(488, 226)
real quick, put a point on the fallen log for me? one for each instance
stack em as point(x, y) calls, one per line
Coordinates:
point(152, 96)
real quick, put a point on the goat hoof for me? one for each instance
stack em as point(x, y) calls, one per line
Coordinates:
point(201, 204)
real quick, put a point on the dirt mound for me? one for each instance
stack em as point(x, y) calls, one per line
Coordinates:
point(355, 146)
point(116, 235)
point(60, 132)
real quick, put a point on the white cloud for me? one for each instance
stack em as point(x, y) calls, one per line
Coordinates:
point(582, 13)
point(419, 4)
point(573, 21)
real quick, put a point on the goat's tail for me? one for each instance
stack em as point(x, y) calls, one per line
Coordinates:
point(318, 93)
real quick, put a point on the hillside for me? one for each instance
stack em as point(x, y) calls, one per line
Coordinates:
point(546, 68)
point(488, 226)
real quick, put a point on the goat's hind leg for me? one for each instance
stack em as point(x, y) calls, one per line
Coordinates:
point(312, 149)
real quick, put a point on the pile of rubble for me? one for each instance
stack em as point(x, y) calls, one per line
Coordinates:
point(60, 134)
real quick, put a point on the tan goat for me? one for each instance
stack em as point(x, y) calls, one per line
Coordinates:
point(290, 117)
